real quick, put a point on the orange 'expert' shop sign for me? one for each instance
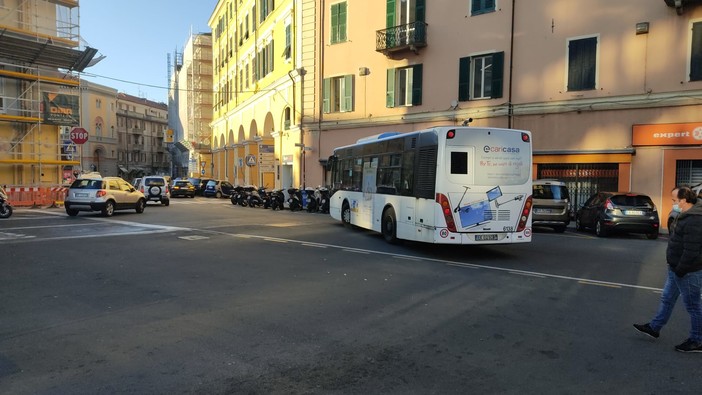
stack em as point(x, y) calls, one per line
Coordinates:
point(668, 134)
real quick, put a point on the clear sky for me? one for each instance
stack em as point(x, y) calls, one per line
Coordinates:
point(136, 36)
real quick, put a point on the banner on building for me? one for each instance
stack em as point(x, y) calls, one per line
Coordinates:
point(60, 109)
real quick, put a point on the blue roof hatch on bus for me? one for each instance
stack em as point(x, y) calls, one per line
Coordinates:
point(377, 137)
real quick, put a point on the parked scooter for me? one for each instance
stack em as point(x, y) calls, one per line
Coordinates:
point(265, 197)
point(253, 197)
point(240, 196)
point(295, 199)
point(5, 207)
point(323, 200)
point(277, 199)
point(312, 199)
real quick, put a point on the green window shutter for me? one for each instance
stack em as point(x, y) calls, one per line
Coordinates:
point(582, 61)
point(334, 23)
point(464, 79)
point(390, 14)
point(326, 96)
point(342, 22)
point(390, 91)
point(271, 60)
point(498, 61)
point(417, 84)
point(347, 103)
point(696, 53)
point(419, 10)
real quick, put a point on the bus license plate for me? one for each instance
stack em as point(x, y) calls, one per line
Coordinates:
point(492, 237)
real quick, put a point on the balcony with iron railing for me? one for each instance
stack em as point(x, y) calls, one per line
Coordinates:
point(400, 38)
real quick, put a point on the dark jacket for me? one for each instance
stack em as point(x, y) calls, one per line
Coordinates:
point(684, 252)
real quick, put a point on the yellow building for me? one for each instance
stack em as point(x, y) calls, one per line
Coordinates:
point(259, 79)
point(39, 88)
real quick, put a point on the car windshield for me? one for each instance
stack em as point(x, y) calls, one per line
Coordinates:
point(550, 192)
point(211, 183)
point(87, 184)
point(632, 201)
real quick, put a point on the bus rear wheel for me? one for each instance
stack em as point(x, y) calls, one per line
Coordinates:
point(346, 214)
point(389, 225)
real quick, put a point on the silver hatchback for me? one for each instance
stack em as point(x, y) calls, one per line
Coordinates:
point(104, 194)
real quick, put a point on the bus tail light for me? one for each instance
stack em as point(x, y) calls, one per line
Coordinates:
point(446, 210)
point(526, 211)
point(450, 134)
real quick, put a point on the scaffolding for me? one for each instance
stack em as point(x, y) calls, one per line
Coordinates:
point(39, 88)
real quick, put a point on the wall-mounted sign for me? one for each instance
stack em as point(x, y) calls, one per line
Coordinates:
point(60, 109)
point(667, 134)
point(250, 160)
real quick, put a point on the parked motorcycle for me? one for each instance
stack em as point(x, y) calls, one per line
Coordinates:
point(265, 197)
point(5, 207)
point(295, 199)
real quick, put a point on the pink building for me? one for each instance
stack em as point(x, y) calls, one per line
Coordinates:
point(611, 91)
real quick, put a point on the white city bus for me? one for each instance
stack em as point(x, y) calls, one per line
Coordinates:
point(451, 185)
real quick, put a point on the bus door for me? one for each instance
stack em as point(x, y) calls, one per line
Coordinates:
point(364, 213)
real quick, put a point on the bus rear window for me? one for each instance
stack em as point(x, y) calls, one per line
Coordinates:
point(459, 162)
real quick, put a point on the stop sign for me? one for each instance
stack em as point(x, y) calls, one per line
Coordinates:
point(79, 135)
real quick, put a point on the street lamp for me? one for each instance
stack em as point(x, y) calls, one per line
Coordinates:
point(303, 148)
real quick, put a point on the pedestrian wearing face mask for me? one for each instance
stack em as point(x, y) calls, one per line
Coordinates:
point(684, 272)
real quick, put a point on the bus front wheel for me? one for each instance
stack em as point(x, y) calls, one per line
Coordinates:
point(346, 214)
point(389, 225)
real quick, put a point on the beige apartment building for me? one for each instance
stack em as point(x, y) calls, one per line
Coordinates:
point(190, 108)
point(264, 81)
point(141, 133)
point(98, 112)
point(40, 58)
point(610, 90)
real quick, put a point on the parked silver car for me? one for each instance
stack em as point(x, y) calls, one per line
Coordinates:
point(552, 206)
point(104, 194)
point(156, 189)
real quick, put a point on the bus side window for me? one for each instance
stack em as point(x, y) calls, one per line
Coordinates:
point(407, 173)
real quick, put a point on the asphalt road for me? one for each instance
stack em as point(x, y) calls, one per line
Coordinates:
point(209, 298)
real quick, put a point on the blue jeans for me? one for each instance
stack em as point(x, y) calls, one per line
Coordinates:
point(689, 287)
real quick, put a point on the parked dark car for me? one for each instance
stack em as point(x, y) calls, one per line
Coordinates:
point(200, 184)
point(626, 212)
point(183, 188)
point(218, 189)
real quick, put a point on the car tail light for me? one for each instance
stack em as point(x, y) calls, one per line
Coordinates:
point(526, 211)
point(446, 210)
point(101, 193)
point(608, 205)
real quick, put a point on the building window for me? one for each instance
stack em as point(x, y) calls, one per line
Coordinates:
point(478, 7)
point(582, 64)
point(696, 52)
point(480, 77)
point(338, 22)
point(266, 8)
point(288, 42)
point(404, 86)
point(286, 119)
point(338, 94)
point(264, 61)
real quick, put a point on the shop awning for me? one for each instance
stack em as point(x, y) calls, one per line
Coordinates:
point(122, 169)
